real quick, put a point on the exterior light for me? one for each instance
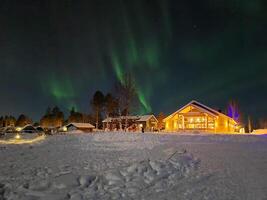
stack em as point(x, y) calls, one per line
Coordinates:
point(18, 140)
point(18, 129)
point(17, 136)
point(65, 129)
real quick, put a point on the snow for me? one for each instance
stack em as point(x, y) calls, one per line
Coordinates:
point(259, 131)
point(135, 166)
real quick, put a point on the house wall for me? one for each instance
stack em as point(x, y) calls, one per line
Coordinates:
point(86, 129)
point(169, 125)
point(73, 128)
point(151, 124)
point(224, 125)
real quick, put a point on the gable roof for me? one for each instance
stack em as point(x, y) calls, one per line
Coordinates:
point(144, 118)
point(139, 118)
point(28, 127)
point(81, 125)
point(200, 106)
point(109, 119)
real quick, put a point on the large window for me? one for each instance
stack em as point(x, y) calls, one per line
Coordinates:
point(195, 122)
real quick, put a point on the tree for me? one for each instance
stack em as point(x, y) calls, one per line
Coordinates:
point(72, 111)
point(23, 120)
point(160, 119)
point(52, 118)
point(110, 105)
point(56, 110)
point(233, 111)
point(263, 123)
point(76, 116)
point(58, 117)
point(48, 111)
point(97, 104)
point(36, 124)
point(11, 121)
point(126, 95)
point(249, 125)
point(1, 121)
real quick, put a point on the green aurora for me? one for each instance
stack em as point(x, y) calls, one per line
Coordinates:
point(212, 51)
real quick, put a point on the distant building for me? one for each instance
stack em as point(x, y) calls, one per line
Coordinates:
point(195, 116)
point(28, 129)
point(83, 127)
point(131, 123)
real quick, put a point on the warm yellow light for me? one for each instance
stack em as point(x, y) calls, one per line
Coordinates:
point(18, 129)
point(242, 130)
point(191, 120)
point(17, 136)
point(65, 129)
point(23, 141)
point(141, 125)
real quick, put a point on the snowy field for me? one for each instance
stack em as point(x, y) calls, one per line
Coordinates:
point(136, 166)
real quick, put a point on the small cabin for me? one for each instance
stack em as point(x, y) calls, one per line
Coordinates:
point(83, 127)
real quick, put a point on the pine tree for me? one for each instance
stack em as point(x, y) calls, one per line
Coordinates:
point(97, 104)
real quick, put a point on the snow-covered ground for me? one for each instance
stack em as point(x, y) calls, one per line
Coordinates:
point(136, 166)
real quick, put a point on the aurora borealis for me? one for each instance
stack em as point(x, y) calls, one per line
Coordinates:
point(61, 52)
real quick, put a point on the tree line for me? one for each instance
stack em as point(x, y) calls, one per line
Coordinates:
point(120, 102)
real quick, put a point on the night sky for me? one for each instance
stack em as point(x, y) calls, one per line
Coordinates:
point(59, 52)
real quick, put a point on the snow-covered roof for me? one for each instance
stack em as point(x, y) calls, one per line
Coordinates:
point(110, 119)
point(200, 106)
point(144, 118)
point(28, 126)
point(139, 118)
point(107, 119)
point(81, 125)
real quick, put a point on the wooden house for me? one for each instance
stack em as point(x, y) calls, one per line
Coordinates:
point(83, 127)
point(195, 116)
point(131, 123)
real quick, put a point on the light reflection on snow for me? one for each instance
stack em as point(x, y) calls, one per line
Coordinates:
point(23, 141)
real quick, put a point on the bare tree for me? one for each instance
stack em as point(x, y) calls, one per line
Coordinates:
point(127, 96)
point(263, 123)
point(249, 125)
point(233, 111)
point(110, 105)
